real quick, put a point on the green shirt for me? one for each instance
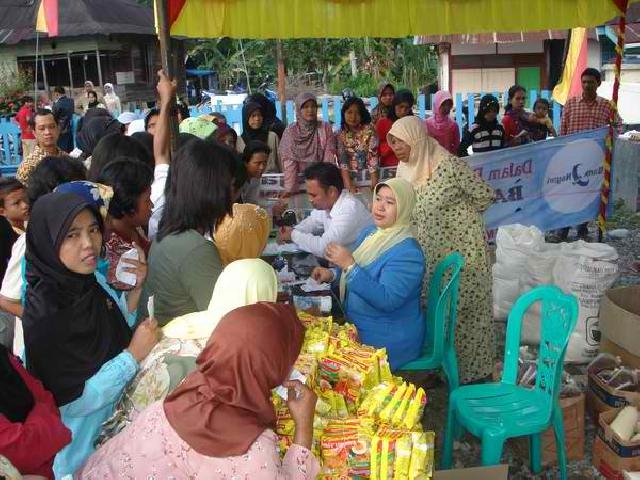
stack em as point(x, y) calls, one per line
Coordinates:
point(183, 269)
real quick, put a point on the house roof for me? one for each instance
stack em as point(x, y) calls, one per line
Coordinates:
point(78, 17)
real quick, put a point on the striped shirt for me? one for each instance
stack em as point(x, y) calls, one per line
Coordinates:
point(482, 138)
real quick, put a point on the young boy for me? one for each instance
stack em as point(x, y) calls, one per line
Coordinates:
point(13, 203)
point(24, 119)
point(544, 127)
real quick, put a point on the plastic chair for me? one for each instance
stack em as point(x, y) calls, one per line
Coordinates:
point(438, 351)
point(495, 412)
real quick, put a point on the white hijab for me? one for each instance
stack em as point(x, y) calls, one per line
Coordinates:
point(426, 153)
point(241, 283)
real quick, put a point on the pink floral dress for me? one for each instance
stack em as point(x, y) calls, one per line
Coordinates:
point(149, 448)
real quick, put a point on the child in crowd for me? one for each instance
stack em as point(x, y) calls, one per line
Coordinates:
point(255, 157)
point(25, 119)
point(13, 203)
point(441, 126)
point(486, 134)
point(226, 136)
point(541, 131)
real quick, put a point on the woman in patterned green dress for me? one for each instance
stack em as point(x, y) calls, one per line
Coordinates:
point(447, 218)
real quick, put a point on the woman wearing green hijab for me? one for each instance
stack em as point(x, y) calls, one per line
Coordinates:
point(381, 281)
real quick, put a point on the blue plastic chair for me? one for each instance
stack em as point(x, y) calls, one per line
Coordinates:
point(495, 412)
point(438, 351)
point(9, 147)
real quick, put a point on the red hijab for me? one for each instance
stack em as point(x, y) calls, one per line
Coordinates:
point(222, 407)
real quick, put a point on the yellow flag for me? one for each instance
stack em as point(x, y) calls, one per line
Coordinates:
point(570, 84)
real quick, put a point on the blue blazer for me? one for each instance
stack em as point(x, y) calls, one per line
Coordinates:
point(383, 300)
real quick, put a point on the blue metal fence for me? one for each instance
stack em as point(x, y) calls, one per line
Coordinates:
point(329, 106)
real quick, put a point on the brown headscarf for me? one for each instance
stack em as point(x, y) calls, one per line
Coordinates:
point(222, 407)
point(306, 140)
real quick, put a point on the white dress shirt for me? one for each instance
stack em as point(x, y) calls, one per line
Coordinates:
point(341, 224)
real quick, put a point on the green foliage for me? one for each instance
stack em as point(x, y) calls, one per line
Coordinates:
point(13, 86)
point(323, 63)
point(363, 85)
point(623, 217)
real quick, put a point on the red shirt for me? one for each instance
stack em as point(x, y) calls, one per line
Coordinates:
point(387, 157)
point(23, 117)
point(31, 446)
point(580, 115)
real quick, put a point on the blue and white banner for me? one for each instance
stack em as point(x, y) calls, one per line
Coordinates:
point(550, 184)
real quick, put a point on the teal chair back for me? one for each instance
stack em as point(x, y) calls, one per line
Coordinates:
point(438, 350)
point(442, 305)
point(558, 317)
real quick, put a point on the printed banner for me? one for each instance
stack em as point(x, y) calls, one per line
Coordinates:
point(549, 184)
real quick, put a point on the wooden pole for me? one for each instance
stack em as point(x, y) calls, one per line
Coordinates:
point(167, 65)
point(70, 71)
point(281, 80)
point(99, 67)
point(35, 82)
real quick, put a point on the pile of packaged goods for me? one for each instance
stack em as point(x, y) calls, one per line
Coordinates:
point(368, 422)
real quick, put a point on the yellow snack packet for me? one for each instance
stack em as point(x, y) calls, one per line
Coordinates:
point(374, 399)
point(403, 458)
point(375, 458)
point(415, 410)
point(383, 365)
point(384, 460)
point(421, 451)
point(387, 412)
point(400, 412)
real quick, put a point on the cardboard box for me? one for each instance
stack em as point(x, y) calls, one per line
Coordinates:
point(620, 324)
point(573, 421)
point(498, 472)
point(602, 398)
point(611, 455)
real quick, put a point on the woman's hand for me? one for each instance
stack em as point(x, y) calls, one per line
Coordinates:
point(339, 255)
point(138, 267)
point(278, 209)
point(144, 339)
point(302, 405)
point(322, 275)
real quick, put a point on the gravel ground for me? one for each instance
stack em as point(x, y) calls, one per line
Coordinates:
point(467, 451)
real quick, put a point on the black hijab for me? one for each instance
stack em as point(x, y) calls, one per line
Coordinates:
point(16, 400)
point(271, 122)
point(487, 102)
point(71, 324)
point(94, 130)
point(249, 134)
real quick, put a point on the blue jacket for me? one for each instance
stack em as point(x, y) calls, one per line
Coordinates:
point(383, 300)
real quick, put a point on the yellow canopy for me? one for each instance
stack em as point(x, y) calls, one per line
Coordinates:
point(378, 18)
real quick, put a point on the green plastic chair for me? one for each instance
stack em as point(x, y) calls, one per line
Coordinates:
point(495, 412)
point(438, 351)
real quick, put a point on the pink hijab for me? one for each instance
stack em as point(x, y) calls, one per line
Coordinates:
point(442, 127)
point(304, 140)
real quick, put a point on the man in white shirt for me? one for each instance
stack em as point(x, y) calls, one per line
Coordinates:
point(338, 215)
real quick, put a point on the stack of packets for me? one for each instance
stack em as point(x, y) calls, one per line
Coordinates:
point(367, 423)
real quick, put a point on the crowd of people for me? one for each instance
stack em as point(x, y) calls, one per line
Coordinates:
point(140, 332)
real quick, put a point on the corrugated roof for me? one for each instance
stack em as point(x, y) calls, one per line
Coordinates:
point(76, 17)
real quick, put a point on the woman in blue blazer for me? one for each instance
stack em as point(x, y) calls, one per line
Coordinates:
point(381, 281)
